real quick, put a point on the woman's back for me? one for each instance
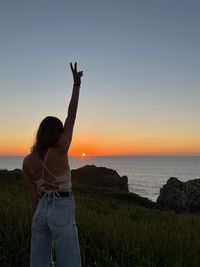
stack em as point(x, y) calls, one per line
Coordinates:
point(56, 162)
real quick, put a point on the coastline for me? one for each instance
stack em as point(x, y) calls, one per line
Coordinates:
point(115, 228)
point(146, 175)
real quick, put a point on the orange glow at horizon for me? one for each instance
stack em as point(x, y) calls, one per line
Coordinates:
point(136, 149)
point(105, 147)
point(139, 150)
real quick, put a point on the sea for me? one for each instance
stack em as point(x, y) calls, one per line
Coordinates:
point(146, 175)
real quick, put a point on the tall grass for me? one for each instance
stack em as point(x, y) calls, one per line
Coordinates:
point(113, 232)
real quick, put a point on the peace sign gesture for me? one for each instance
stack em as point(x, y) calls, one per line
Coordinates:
point(76, 74)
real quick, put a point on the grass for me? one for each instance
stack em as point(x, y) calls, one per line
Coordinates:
point(115, 229)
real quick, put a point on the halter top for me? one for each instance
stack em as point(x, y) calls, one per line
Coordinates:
point(61, 183)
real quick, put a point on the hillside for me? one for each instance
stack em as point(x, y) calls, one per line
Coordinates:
point(115, 228)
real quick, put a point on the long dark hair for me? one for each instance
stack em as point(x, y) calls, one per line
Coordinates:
point(47, 135)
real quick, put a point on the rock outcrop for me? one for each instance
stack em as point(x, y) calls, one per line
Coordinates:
point(180, 196)
point(100, 176)
point(88, 175)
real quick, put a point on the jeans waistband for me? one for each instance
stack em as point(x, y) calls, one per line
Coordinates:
point(48, 195)
point(61, 194)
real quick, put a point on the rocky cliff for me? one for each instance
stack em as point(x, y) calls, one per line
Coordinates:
point(88, 175)
point(100, 176)
point(180, 196)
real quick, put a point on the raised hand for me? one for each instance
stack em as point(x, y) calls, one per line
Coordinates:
point(76, 74)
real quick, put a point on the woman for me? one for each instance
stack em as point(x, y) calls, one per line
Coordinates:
point(46, 174)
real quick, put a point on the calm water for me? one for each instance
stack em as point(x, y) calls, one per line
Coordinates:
point(146, 175)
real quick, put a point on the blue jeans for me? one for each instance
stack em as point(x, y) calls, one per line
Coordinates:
point(54, 223)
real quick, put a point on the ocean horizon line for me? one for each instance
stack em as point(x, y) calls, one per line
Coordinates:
point(118, 155)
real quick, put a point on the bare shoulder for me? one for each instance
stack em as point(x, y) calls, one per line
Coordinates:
point(27, 157)
point(25, 161)
point(28, 163)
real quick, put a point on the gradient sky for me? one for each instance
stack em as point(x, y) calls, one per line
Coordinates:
point(140, 91)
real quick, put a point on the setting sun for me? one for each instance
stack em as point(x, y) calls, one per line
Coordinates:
point(83, 154)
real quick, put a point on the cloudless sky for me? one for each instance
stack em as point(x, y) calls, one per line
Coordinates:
point(140, 91)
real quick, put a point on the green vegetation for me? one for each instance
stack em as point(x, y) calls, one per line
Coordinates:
point(115, 229)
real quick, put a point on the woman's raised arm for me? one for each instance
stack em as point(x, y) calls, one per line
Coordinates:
point(66, 138)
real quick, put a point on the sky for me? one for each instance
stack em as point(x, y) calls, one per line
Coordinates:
point(140, 59)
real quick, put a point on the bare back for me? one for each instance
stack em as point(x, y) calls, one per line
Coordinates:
point(57, 163)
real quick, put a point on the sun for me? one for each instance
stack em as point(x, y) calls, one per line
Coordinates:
point(83, 154)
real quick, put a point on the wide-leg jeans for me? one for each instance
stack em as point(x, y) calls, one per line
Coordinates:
point(54, 221)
